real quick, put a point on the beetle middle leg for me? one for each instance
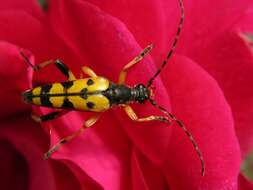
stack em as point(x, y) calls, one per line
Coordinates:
point(64, 140)
point(122, 75)
point(58, 63)
point(88, 71)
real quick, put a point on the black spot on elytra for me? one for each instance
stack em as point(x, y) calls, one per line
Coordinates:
point(67, 104)
point(90, 82)
point(90, 105)
point(67, 84)
point(44, 98)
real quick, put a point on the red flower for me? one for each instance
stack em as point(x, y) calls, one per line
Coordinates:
point(207, 85)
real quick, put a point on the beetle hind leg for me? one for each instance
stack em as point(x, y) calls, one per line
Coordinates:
point(64, 140)
point(49, 116)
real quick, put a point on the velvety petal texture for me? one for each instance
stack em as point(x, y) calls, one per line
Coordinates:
point(30, 6)
point(14, 71)
point(22, 140)
point(222, 52)
point(112, 57)
point(206, 85)
point(208, 117)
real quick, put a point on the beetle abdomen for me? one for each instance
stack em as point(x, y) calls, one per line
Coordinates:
point(83, 94)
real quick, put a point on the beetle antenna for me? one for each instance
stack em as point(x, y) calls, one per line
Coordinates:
point(179, 29)
point(26, 59)
point(181, 125)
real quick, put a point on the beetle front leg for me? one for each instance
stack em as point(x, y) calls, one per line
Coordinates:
point(64, 140)
point(123, 73)
point(58, 63)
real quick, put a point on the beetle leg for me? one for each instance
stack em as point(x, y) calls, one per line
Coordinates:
point(64, 140)
point(88, 71)
point(122, 75)
point(49, 116)
point(130, 112)
point(58, 63)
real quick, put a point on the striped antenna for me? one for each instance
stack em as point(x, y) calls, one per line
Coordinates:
point(182, 126)
point(179, 29)
point(26, 59)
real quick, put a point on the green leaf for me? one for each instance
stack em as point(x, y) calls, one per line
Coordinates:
point(250, 37)
point(247, 165)
point(43, 4)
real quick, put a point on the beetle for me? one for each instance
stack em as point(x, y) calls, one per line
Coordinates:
point(98, 94)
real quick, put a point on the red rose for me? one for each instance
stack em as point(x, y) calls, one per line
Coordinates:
point(207, 85)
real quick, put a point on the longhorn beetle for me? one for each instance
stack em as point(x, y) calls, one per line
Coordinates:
point(99, 94)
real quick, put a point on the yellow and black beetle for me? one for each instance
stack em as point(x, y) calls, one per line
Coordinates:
point(99, 94)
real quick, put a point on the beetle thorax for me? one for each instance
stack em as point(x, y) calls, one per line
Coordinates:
point(122, 94)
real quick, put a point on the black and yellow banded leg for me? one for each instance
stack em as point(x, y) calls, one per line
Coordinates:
point(130, 112)
point(64, 140)
point(49, 116)
point(123, 73)
point(58, 63)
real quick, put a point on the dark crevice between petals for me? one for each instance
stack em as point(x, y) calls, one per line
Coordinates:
point(85, 181)
point(13, 167)
point(243, 183)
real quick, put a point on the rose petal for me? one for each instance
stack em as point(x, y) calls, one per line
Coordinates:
point(89, 40)
point(210, 39)
point(198, 101)
point(64, 177)
point(38, 38)
point(245, 24)
point(15, 78)
point(30, 6)
point(85, 181)
point(206, 20)
point(30, 141)
point(101, 152)
point(149, 21)
point(137, 175)
point(14, 169)
point(157, 149)
point(146, 175)
point(232, 67)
